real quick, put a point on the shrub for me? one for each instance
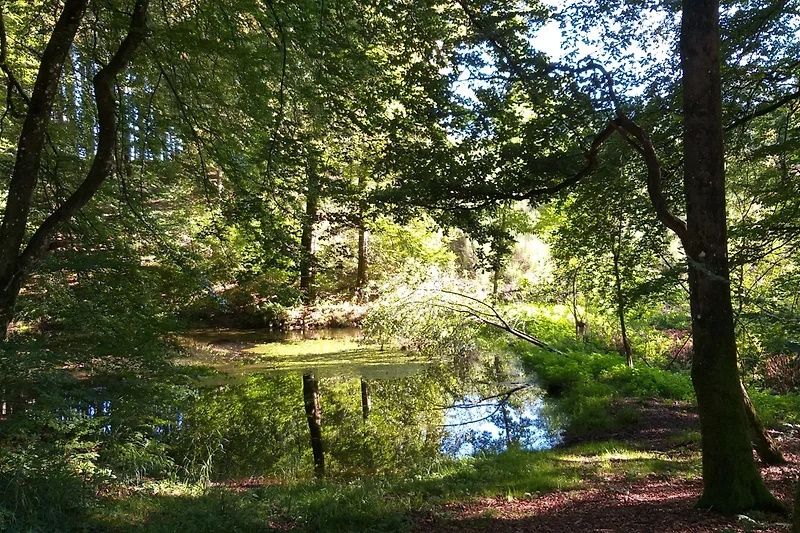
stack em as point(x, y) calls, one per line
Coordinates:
point(588, 384)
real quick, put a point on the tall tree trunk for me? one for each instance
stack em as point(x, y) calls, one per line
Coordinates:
point(8, 301)
point(498, 259)
point(495, 282)
point(626, 345)
point(124, 161)
point(28, 160)
point(731, 481)
point(361, 268)
point(366, 399)
point(307, 260)
point(506, 423)
point(580, 325)
point(314, 417)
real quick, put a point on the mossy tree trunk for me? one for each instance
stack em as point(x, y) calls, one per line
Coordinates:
point(731, 481)
point(765, 447)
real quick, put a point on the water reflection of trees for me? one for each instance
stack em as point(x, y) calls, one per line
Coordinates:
point(313, 410)
point(250, 428)
point(287, 425)
point(499, 408)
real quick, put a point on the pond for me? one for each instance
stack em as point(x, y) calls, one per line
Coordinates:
point(322, 403)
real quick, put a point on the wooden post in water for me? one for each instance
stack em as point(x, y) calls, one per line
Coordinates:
point(314, 417)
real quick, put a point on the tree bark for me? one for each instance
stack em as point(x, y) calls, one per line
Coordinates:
point(766, 448)
point(361, 270)
point(580, 325)
point(314, 417)
point(626, 345)
point(366, 399)
point(495, 282)
point(307, 260)
point(27, 163)
point(8, 301)
point(731, 481)
point(28, 159)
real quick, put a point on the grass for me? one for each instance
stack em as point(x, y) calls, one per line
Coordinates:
point(381, 504)
point(589, 379)
point(323, 353)
point(588, 387)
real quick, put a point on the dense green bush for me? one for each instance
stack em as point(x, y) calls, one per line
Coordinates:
point(587, 384)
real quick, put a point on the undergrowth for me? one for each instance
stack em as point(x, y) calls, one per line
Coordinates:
point(588, 378)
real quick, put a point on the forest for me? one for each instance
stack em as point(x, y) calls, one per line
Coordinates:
point(400, 265)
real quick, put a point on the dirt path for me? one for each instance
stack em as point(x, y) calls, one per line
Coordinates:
point(654, 505)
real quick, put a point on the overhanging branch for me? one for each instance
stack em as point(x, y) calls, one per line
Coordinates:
point(106, 143)
point(654, 178)
point(489, 315)
point(763, 110)
point(592, 162)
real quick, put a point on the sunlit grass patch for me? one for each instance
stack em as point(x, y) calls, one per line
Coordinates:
point(167, 507)
point(611, 456)
point(237, 353)
point(684, 438)
point(332, 357)
point(603, 458)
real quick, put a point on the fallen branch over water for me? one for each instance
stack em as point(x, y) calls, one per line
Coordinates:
point(489, 315)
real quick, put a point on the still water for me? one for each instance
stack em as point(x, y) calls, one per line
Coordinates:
point(295, 405)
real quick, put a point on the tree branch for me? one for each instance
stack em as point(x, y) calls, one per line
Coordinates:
point(764, 110)
point(622, 124)
point(107, 137)
point(12, 80)
point(27, 162)
point(654, 178)
point(592, 163)
point(513, 63)
point(500, 323)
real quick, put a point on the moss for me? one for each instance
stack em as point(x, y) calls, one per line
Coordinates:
point(241, 353)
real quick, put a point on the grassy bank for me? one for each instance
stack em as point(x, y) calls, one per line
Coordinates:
point(590, 380)
point(388, 504)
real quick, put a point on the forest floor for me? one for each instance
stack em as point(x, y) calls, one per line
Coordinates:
point(657, 502)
